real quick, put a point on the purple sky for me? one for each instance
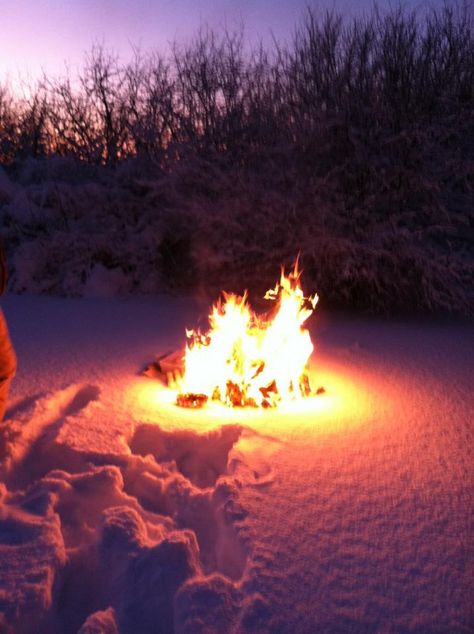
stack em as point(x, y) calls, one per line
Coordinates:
point(44, 34)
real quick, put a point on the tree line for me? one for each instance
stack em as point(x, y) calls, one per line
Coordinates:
point(376, 75)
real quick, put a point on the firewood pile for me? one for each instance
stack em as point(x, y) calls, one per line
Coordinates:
point(169, 369)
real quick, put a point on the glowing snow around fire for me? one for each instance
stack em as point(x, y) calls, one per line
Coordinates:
point(251, 360)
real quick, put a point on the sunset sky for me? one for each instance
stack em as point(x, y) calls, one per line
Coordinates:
point(45, 34)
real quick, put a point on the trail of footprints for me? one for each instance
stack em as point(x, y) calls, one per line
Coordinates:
point(61, 502)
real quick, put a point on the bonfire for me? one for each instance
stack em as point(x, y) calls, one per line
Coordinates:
point(246, 359)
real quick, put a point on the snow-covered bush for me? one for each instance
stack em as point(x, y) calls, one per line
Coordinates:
point(210, 226)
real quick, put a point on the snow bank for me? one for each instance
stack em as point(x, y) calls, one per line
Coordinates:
point(205, 226)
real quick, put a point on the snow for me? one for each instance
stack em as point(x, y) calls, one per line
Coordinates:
point(121, 513)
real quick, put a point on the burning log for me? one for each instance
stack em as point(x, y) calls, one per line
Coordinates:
point(168, 368)
point(305, 385)
point(191, 401)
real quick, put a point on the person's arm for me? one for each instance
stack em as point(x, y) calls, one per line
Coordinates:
point(3, 269)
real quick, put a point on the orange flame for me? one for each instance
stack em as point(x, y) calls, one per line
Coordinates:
point(250, 360)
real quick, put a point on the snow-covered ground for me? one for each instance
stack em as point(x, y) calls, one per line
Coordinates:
point(121, 513)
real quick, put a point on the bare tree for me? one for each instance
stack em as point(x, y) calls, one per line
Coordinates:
point(8, 125)
point(149, 105)
point(103, 82)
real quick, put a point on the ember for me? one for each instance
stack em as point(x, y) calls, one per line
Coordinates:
point(247, 360)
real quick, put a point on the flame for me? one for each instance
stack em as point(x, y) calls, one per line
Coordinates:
point(250, 360)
